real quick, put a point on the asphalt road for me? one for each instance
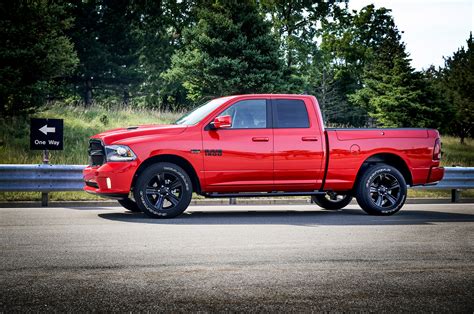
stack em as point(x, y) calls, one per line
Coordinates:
point(238, 258)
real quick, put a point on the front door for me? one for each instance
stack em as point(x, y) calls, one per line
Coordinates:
point(240, 158)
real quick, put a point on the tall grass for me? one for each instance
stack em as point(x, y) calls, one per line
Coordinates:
point(79, 124)
point(456, 154)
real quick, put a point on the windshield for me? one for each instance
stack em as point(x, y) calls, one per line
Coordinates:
point(195, 116)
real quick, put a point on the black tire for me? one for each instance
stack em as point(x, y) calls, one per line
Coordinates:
point(332, 200)
point(163, 190)
point(130, 204)
point(381, 190)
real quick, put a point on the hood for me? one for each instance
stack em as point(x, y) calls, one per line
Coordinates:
point(111, 136)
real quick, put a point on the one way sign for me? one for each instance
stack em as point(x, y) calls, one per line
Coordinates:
point(46, 134)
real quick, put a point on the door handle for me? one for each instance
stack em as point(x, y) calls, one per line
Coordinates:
point(309, 139)
point(260, 139)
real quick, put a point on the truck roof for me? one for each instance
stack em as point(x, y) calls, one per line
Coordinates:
point(270, 95)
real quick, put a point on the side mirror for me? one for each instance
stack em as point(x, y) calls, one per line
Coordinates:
point(222, 122)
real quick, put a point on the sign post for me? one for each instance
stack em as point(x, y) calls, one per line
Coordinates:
point(46, 135)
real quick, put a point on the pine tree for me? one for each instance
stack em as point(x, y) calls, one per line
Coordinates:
point(349, 42)
point(458, 85)
point(159, 30)
point(229, 51)
point(392, 92)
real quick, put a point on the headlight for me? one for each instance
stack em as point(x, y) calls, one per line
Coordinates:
point(119, 153)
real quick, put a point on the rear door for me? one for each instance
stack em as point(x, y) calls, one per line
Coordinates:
point(240, 158)
point(298, 147)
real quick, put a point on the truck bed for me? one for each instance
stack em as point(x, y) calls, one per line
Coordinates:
point(350, 148)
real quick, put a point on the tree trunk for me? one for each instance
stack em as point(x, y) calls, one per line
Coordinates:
point(88, 93)
point(126, 97)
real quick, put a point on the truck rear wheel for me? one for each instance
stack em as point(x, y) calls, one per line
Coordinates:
point(332, 200)
point(381, 190)
point(163, 190)
point(129, 204)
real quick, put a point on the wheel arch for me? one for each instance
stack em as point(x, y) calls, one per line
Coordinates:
point(174, 159)
point(391, 159)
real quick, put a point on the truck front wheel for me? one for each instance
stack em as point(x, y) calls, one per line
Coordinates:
point(129, 204)
point(332, 200)
point(381, 190)
point(163, 190)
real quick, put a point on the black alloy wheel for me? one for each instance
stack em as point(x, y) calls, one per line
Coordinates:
point(163, 190)
point(381, 190)
point(385, 190)
point(332, 200)
point(129, 204)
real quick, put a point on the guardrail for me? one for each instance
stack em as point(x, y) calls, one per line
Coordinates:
point(41, 178)
point(56, 178)
point(455, 179)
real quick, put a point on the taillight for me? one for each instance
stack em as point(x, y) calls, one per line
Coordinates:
point(437, 150)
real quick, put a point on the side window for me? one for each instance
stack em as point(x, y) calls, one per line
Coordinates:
point(290, 113)
point(248, 114)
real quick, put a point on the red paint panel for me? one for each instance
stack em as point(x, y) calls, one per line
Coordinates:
point(416, 151)
point(244, 162)
point(299, 154)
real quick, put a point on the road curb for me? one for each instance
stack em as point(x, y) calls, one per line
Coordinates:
point(204, 202)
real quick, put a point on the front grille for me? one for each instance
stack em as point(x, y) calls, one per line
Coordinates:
point(96, 153)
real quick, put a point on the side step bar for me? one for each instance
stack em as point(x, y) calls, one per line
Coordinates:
point(259, 194)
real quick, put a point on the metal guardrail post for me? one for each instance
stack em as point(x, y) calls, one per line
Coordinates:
point(455, 195)
point(45, 195)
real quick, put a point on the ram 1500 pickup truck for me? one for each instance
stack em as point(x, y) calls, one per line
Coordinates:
point(260, 145)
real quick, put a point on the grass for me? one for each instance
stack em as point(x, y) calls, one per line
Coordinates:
point(455, 154)
point(80, 123)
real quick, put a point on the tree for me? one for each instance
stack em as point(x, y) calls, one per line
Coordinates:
point(229, 51)
point(107, 47)
point(457, 79)
point(34, 53)
point(392, 92)
point(297, 25)
point(159, 30)
point(348, 44)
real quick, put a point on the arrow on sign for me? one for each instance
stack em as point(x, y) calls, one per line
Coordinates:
point(47, 130)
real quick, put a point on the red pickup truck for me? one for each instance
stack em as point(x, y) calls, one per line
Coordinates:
point(260, 145)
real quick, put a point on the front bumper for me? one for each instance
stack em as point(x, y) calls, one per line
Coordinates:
point(111, 180)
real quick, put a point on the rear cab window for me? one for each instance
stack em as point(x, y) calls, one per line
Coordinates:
point(290, 113)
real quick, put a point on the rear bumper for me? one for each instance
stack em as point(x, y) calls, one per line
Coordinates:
point(436, 174)
point(111, 180)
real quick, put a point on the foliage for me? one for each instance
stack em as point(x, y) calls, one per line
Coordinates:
point(107, 48)
point(229, 51)
point(159, 30)
point(349, 42)
point(34, 53)
point(392, 92)
point(167, 54)
point(457, 83)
